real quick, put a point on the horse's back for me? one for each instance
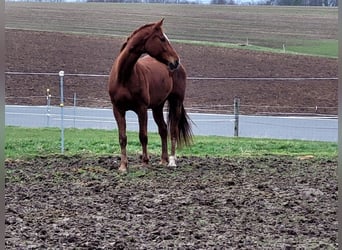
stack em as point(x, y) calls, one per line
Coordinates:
point(151, 65)
point(158, 79)
point(163, 79)
point(161, 73)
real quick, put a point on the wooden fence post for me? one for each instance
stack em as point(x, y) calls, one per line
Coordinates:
point(236, 116)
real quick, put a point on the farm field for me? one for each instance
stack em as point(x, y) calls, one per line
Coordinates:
point(33, 51)
point(30, 50)
point(311, 30)
point(260, 201)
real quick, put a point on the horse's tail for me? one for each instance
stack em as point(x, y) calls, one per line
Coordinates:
point(178, 115)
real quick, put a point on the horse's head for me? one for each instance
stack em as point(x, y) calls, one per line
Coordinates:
point(158, 46)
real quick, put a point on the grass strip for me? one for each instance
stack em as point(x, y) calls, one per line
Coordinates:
point(31, 142)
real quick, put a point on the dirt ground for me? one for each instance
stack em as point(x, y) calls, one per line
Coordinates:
point(205, 203)
point(29, 51)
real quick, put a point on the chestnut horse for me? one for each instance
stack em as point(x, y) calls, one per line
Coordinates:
point(139, 83)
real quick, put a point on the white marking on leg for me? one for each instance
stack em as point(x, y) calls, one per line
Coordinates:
point(172, 161)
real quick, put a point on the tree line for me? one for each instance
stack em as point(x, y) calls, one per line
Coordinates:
point(331, 3)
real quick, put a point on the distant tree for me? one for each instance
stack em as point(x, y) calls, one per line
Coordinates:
point(332, 2)
point(218, 2)
point(303, 2)
point(230, 2)
point(289, 2)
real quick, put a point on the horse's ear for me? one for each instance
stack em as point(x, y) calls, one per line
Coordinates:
point(159, 24)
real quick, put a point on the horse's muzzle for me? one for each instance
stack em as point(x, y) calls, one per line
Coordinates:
point(174, 65)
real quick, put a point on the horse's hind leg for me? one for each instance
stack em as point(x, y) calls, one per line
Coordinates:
point(162, 129)
point(174, 117)
point(174, 134)
point(121, 122)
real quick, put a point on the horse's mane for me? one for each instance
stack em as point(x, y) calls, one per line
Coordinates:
point(135, 32)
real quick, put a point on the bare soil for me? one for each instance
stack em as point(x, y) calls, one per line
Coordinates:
point(29, 51)
point(205, 203)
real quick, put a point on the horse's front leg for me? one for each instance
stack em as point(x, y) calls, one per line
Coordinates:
point(121, 122)
point(162, 129)
point(142, 116)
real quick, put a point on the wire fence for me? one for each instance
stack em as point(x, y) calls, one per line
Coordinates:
point(73, 98)
point(278, 127)
point(217, 119)
point(189, 77)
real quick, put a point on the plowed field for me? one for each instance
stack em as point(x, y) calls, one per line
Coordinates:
point(47, 52)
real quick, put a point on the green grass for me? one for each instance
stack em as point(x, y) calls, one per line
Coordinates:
point(265, 27)
point(327, 48)
point(29, 143)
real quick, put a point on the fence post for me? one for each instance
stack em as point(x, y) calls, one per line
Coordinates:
point(61, 76)
point(74, 109)
point(236, 115)
point(48, 104)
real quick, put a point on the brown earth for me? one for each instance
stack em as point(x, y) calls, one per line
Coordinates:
point(29, 51)
point(205, 203)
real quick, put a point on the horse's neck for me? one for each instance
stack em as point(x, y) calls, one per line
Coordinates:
point(126, 62)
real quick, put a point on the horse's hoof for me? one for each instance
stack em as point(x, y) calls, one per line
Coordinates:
point(123, 170)
point(172, 161)
point(163, 163)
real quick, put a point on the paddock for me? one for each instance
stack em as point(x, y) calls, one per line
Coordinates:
point(205, 203)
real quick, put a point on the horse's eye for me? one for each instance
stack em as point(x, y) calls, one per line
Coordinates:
point(163, 39)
